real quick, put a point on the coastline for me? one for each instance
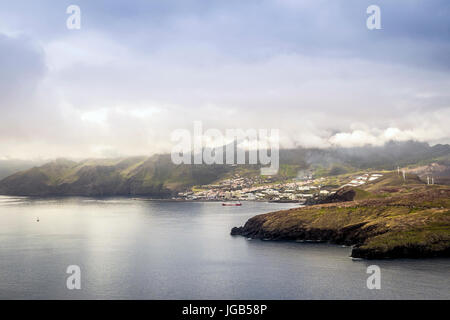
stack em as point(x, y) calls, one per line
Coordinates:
point(142, 198)
point(415, 225)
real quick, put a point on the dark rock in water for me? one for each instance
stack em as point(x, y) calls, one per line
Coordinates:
point(236, 231)
point(414, 251)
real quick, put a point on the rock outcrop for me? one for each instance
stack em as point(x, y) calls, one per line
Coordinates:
point(415, 225)
point(341, 195)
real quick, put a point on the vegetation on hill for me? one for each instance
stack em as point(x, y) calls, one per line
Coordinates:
point(157, 176)
point(389, 218)
point(11, 166)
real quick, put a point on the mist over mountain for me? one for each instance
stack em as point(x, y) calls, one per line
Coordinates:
point(10, 166)
point(388, 156)
point(158, 176)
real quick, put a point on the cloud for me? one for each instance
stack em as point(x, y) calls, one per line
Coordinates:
point(22, 66)
point(418, 127)
point(136, 71)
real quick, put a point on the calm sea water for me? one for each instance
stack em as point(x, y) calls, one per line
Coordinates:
point(141, 249)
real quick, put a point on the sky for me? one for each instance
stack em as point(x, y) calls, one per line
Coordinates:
point(138, 70)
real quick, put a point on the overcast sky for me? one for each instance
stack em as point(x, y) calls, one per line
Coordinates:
point(137, 70)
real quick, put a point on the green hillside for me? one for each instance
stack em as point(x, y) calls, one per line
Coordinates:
point(157, 176)
point(389, 218)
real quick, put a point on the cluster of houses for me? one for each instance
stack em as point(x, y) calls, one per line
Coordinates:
point(254, 189)
point(240, 188)
point(363, 179)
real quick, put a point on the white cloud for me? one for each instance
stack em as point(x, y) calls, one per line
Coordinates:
point(120, 86)
point(432, 128)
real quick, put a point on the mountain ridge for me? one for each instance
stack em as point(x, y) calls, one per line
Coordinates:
point(157, 176)
point(394, 218)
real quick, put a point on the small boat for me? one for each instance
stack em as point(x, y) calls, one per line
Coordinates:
point(232, 204)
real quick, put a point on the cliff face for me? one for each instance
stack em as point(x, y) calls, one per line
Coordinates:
point(343, 194)
point(414, 223)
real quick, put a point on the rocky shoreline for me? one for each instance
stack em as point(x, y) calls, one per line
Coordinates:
point(411, 226)
point(349, 236)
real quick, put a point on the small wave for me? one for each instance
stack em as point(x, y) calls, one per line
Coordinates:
point(356, 259)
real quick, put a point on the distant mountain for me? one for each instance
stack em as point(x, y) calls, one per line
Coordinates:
point(10, 166)
point(388, 156)
point(157, 176)
point(391, 217)
point(154, 176)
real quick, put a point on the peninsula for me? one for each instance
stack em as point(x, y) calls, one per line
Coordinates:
point(392, 217)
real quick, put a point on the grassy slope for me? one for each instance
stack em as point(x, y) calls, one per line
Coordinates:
point(154, 176)
point(393, 218)
point(158, 175)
